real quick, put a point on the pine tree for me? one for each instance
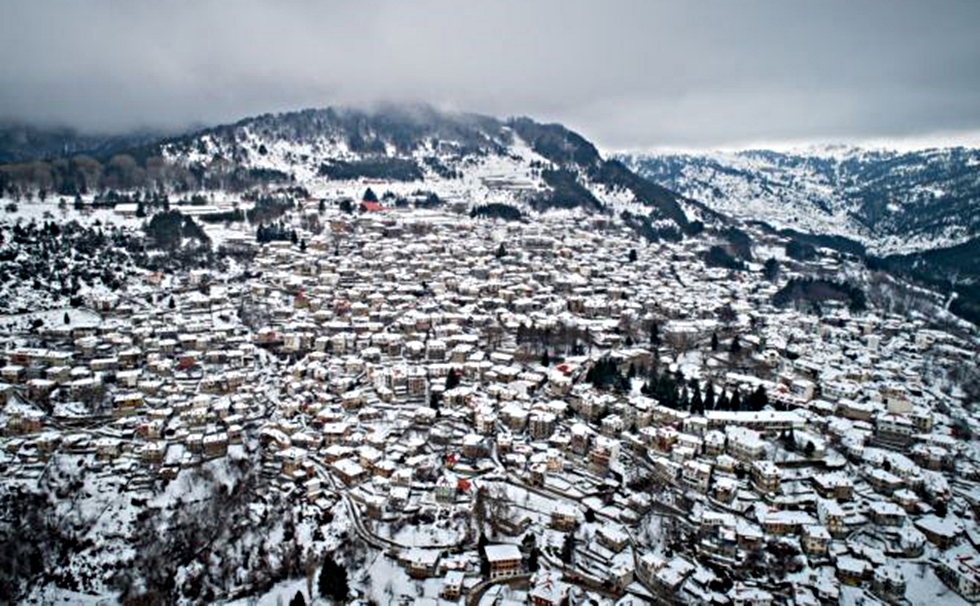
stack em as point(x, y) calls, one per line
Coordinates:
point(723, 403)
point(736, 403)
point(568, 548)
point(545, 359)
point(333, 581)
point(684, 400)
point(655, 334)
point(714, 341)
point(632, 255)
point(67, 319)
point(771, 269)
point(480, 509)
point(501, 251)
point(709, 397)
point(298, 599)
point(172, 304)
point(369, 195)
point(452, 380)
point(735, 347)
point(532, 560)
point(697, 403)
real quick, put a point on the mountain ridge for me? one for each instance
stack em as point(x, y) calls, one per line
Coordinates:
point(517, 161)
point(892, 201)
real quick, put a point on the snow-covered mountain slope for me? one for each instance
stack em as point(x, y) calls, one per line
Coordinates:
point(891, 201)
point(462, 158)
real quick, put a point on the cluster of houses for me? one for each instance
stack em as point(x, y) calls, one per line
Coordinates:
point(419, 362)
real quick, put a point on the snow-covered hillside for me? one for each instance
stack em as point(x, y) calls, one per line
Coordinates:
point(462, 158)
point(891, 201)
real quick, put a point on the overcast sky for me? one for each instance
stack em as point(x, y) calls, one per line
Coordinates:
point(643, 74)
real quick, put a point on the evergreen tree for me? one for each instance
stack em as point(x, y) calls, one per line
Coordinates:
point(735, 346)
point(655, 334)
point(723, 403)
point(771, 269)
point(714, 341)
point(333, 581)
point(480, 510)
point(172, 304)
point(632, 255)
point(481, 547)
point(758, 399)
point(452, 380)
point(568, 548)
point(709, 397)
point(67, 319)
point(321, 206)
point(501, 251)
point(545, 359)
point(298, 599)
point(736, 403)
point(697, 403)
point(369, 195)
point(532, 560)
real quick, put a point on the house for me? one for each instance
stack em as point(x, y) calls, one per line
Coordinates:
point(883, 481)
point(886, 513)
point(547, 589)
point(349, 471)
point(613, 537)
point(892, 428)
point(745, 444)
point(832, 516)
point(815, 539)
point(452, 585)
point(766, 476)
point(504, 560)
point(888, 583)
point(833, 485)
point(785, 522)
point(564, 516)
point(604, 451)
point(422, 562)
point(941, 532)
point(697, 475)
point(962, 573)
point(742, 595)
point(851, 570)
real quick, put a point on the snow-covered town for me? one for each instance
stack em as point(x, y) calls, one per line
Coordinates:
point(457, 409)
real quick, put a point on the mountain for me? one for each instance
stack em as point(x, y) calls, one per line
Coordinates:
point(892, 202)
point(24, 142)
point(460, 158)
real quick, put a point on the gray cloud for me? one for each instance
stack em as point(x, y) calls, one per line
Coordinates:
point(626, 74)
